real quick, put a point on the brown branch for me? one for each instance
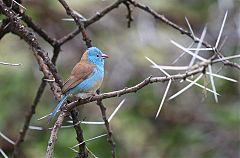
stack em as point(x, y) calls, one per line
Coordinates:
point(102, 13)
point(167, 21)
point(41, 32)
point(46, 66)
point(31, 112)
point(118, 93)
point(54, 134)
point(28, 118)
point(129, 15)
point(109, 132)
point(68, 37)
point(77, 20)
point(90, 21)
point(177, 27)
point(83, 153)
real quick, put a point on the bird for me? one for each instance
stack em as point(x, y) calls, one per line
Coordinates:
point(86, 77)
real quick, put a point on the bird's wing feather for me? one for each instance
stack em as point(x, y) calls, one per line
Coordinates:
point(80, 72)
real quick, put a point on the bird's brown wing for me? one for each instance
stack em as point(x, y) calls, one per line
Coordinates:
point(79, 73)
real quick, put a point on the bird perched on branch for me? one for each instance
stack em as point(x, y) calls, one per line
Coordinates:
point(85, 78)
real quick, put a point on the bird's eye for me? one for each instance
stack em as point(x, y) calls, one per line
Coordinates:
point(97, 55)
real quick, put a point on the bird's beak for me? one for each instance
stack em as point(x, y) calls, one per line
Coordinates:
point(104, 56)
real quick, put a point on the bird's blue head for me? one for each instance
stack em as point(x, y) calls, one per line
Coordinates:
point(95, 56)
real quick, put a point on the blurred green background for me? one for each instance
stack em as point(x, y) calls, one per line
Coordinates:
point(190, 126)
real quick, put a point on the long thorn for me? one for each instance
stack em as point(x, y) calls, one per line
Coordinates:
point(185, 88)
point(212, 82)
point(3, 153)
point(201, 86)
point(198, 46)
point(89, 140)
point(164, 96)
point(115, 111)
point(156, 65)
point(6, 138)
point(187, 51)
point(222, 77)
point(220, 32)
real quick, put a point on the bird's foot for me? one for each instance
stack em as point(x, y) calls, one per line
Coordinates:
point(91, 96)
point(88, 96)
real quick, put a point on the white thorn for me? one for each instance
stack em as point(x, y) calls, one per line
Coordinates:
point(44, 116)
point(115, 111)
point(190, 28)
point(67, 19)
point(19, 4)
point(156, 65)
point(3, 153)
point(203, 87)
point(185, 88)
point(182, 53)
point(163, 99)
point(6, 138)
point(227, 58)
point(187, 51)
point(89, 140)
point(10, 64)
point(35, 128)
point(198, 46)
point(220, 32)
point(212, 82)
point(177, 68)
point(222, 77)
point(201, 49)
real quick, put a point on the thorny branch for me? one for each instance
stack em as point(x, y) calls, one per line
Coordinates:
point(83, 153)
point(99, 102)
point(77, 20)
point(41, 32)
point(31, 112)
point(12, 23)
point(196, 69)
point(91, 20)
point(109, 132)
point(177, 27)
point(54, 134)
point(129, 15)
point(46, 66)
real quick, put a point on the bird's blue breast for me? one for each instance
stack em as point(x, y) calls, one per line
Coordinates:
point(91, 84)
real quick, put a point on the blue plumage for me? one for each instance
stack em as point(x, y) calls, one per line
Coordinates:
point(86, 77)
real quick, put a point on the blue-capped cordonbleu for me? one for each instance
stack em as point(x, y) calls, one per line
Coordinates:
point(85, 78)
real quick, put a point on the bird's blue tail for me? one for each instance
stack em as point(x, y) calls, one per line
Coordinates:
point(60, 104)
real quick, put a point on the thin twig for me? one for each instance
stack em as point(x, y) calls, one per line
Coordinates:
point(78, 21)
point(40, 31)
point(109, 132)
point(28, 118)
point(90, 21)
point(83, 153)
point(54, 134)
point(129, 15)
point(196, 69)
